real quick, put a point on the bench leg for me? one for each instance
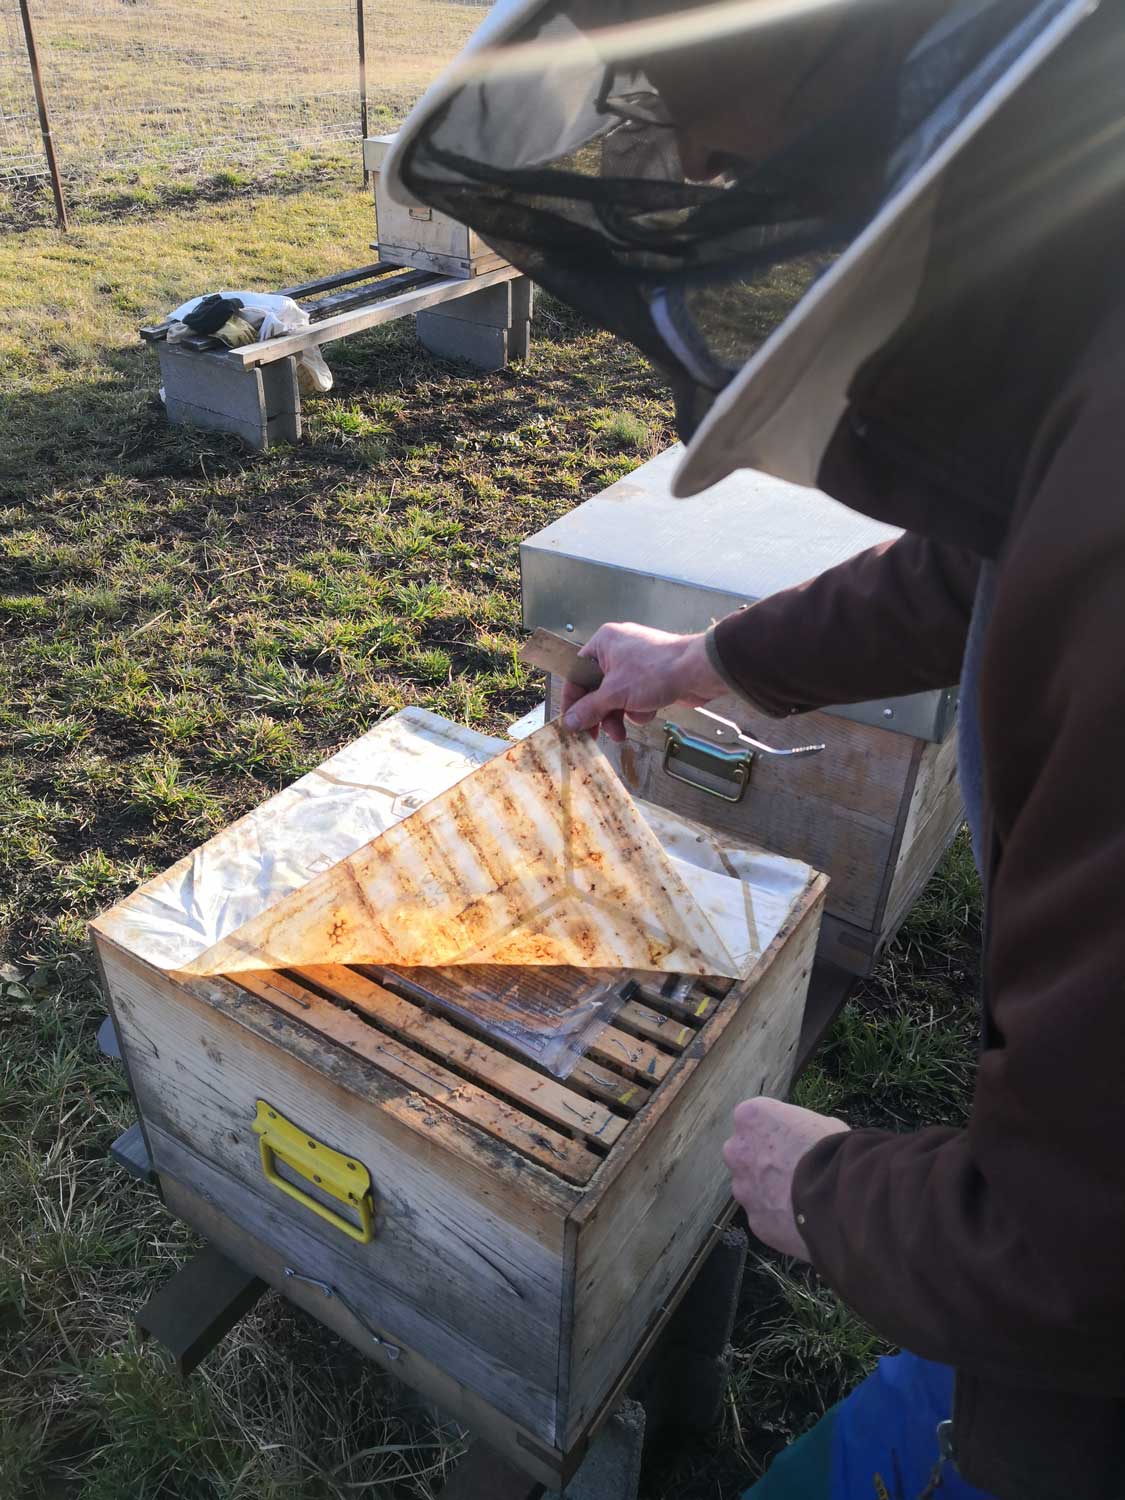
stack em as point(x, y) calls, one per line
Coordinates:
point(261, 405)
point(485, 328)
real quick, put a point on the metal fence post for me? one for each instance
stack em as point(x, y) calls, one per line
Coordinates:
point(362, 80)
point(44, 117)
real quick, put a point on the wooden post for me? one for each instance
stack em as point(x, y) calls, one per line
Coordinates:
point(362, 42)
point(44, 117)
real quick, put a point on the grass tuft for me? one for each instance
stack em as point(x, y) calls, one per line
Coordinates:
point(623, 431)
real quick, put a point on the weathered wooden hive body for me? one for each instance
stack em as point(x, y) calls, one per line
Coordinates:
point(504, 1240)
point(415, 235)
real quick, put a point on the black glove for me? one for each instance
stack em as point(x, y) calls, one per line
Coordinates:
point(208, 316)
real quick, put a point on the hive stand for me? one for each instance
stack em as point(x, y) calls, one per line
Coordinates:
point(253, 391)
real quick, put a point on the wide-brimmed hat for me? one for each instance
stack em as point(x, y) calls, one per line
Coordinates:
point(745, 189)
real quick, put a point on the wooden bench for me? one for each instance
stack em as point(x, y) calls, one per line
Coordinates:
point(252, 391)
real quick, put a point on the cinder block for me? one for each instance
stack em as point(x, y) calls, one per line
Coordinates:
point(683, 1381)
point(283, 400)
point(704, 1320)
point(260, 405)
point(684, 1391)
point(491, 306)
point(523, 299)
point(519, 340)
point(453, 338)
point(523, 308)
point(508, 306)
point(611, 1469)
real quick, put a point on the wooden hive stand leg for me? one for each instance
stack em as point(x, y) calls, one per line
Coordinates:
point(475, 328)
point(194, 1308)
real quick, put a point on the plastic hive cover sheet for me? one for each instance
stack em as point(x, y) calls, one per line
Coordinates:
point(538, 857)
point(250, 868)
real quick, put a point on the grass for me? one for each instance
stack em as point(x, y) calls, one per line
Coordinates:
point(185, 626)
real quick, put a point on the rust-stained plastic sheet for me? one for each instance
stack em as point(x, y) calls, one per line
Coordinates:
point(538, 857)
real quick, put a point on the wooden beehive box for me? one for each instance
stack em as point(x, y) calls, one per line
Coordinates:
point(877, 809)
point(415, 235)
point(529, 1233)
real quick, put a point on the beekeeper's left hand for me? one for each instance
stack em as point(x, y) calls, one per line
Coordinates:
point(769, 1140)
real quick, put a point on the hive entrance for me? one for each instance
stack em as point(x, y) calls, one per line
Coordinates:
point(568, 1125)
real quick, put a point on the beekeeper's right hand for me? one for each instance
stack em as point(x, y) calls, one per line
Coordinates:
point(644, 670)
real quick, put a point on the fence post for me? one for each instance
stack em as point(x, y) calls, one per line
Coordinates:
point(362, 80)
point(44, 117)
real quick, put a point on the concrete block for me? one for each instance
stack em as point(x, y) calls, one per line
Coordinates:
point(203, 392)
point(523, 299)
point(454, 338)
point(519, 340)
point(130, 1152)
point(683, 1382)
point(704, 1320)
point(109, 1043)
point(282, 397)
point(685, 1391)
point(492, 307)
point(504, 307)
point(260, 405)
point(611, 1469)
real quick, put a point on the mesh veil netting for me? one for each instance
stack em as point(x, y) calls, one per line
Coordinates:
point(681, 173)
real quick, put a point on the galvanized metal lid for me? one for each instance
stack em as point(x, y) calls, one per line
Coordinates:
point(636, 553)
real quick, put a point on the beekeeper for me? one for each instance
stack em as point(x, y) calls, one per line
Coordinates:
point(931, 195)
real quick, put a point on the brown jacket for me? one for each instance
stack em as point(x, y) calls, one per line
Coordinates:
point(1000, 1248)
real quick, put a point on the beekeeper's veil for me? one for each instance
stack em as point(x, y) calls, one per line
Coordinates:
point(698, 174)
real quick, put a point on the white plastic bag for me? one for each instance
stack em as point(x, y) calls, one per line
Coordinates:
point(279, 315)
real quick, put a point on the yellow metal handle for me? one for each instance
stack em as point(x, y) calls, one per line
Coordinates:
point(339, 1176)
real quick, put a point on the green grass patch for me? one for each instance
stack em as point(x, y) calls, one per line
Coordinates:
point(623, 431)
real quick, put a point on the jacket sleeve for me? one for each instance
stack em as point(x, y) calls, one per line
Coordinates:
point(1000, 1248)
point(891, 620)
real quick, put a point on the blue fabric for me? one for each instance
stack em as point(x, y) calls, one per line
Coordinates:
point(970, 755)
point(880, 1443)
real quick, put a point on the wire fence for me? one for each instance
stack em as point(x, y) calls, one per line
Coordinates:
point(148, 91)
point(21, 149)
